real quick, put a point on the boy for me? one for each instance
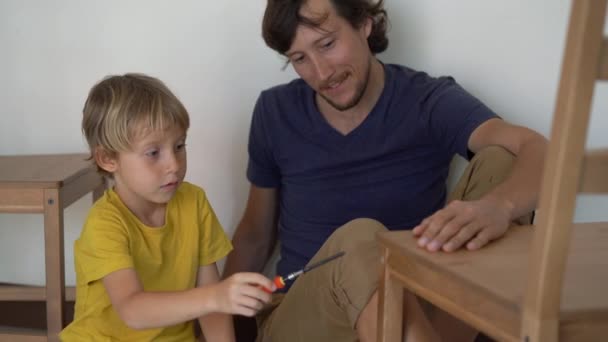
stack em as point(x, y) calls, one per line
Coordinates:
point(145, 260)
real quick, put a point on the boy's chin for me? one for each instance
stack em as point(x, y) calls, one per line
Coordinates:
point(162, 199)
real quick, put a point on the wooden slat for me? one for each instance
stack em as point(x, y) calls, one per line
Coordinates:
point(594, 178)
point(30, 293)
point(41, 171)
point(22, 293)
point(21, 200)
point(22, 335)
point(603, 73)
point(80, 186)
point(590, 330)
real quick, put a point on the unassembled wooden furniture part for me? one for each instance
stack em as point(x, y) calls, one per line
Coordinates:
point(546, 282)
point(45, 184)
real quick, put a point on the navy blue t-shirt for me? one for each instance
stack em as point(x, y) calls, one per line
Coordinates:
point(391, 168)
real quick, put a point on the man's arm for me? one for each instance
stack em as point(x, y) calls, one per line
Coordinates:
point(475, 223)
point(521, 189)
point(255, 236)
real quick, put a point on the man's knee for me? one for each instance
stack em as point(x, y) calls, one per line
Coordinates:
point(497, 158)
point(356, 238)
point(332, 297)
point(488, 168)
point(356, 231)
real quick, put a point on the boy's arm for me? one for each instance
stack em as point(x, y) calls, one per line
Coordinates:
point(143, 310)
point(139, 309)
point(215, 326)
point(255, 236)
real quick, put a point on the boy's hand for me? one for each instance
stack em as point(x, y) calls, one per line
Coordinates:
point(243, 294)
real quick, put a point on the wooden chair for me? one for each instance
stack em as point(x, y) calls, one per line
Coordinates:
point(546, 282)
point(45, 184)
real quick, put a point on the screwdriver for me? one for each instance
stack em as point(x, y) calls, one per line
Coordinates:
point(279, 281)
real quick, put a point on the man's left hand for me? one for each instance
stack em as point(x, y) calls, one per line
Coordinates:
point(464, 223)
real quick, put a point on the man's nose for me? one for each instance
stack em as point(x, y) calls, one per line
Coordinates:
point(323, 69)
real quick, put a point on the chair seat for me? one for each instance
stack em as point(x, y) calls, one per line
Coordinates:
point(491, 282)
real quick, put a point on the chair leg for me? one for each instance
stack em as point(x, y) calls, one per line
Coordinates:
point(390, 306)
point(55, 276)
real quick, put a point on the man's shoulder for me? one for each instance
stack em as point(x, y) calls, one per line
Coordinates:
point(404, 75)
point(285, 92)
point(278, 104)
point(411, 88)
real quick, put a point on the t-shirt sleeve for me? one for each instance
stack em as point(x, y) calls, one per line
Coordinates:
point(454, 114)
point(262, 169)
point(213, 240)
point(102, 247)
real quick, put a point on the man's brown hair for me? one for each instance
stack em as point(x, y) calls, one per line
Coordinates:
point(282, 18)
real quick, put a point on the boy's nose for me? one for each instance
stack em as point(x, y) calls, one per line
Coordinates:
point(172, 162)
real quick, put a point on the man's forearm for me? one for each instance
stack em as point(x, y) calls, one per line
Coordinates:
point(521, 189)
point(217, 327)
point(248, 255)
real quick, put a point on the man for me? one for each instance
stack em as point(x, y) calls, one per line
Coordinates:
point(353, 138)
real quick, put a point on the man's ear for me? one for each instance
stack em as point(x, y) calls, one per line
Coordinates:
point(367, 26)
point(106, 160)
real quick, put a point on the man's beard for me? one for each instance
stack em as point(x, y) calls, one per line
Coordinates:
point(359, 92)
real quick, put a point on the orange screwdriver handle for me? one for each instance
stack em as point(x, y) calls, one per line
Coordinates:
point(279, 282)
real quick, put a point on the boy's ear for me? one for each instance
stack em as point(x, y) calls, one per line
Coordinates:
point(106, 160)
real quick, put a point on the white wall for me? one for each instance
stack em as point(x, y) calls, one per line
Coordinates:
point(211, 55)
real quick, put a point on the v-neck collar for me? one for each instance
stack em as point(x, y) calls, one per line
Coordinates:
point(321, 126)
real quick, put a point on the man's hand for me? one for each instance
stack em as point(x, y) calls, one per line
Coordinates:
point(464, 223)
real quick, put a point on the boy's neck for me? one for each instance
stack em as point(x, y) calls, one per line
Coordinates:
point(149, 213)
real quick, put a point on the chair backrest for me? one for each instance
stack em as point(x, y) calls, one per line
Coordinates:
point(568, 169)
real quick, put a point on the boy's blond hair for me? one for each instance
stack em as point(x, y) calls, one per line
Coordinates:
point(119, 107)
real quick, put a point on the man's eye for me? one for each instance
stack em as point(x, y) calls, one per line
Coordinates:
point(328, 44)
point(180, 147)
point(297, 60)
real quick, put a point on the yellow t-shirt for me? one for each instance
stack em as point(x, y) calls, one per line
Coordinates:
point(165, 258)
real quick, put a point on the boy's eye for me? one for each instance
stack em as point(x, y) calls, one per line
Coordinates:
point(180, 147)
point(151, 153)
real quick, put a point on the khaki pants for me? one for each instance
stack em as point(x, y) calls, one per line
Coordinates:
point(324, 305)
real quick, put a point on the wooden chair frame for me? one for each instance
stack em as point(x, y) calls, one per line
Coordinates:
point(538, 283)
point(45, 184)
